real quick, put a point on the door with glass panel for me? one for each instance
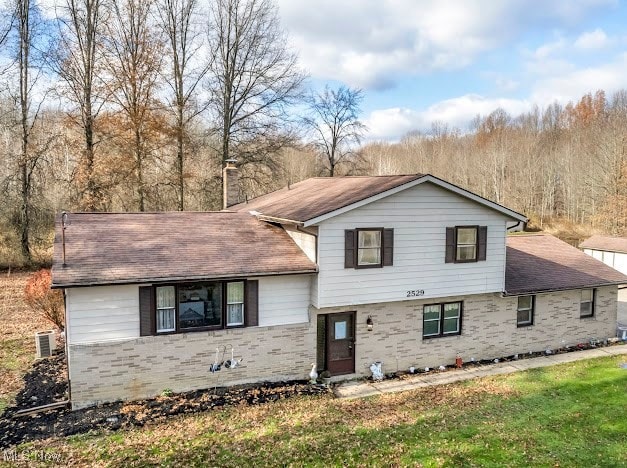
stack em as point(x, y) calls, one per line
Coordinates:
point(340, 334)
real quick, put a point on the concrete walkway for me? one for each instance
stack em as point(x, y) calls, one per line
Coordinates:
point(361, 388)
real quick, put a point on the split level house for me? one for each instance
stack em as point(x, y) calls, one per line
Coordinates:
point(406, 270)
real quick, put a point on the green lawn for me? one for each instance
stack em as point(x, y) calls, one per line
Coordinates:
point(568, 415)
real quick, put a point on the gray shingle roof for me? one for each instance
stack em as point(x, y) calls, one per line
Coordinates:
point(320, 195)
point(607, 243)
point(116, 248)
point(541, 262)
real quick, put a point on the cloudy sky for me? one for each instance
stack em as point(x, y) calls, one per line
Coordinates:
point(449, 60)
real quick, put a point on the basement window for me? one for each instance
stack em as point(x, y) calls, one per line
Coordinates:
point(524, 311)
point(442, 319)
point(586, 307)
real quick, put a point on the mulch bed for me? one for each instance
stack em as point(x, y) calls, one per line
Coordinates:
point(46, 383)
point(487, 362)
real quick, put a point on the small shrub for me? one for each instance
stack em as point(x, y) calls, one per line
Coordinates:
point(42, 299)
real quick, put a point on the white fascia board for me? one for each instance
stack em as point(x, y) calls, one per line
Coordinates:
point(427, 178)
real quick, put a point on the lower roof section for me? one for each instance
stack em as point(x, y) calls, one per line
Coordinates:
point(542, 263)
point(122, 248)
point(606, 243)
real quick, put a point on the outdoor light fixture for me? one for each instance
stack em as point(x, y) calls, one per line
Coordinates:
point(369, 323)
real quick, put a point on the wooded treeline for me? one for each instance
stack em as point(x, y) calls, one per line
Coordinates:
point(565, 162)
point(135, 105)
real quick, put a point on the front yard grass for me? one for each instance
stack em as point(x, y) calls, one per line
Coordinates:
point(568, 415)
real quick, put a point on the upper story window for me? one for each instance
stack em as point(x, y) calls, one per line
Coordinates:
point(524, 311)
point(368, 247)
point(199, 306)
point(586, 307)
point(466, 244)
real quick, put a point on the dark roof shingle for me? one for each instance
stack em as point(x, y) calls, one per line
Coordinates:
point(321, 195)
point(607, 243)
point(116, 248)
point(541, 262)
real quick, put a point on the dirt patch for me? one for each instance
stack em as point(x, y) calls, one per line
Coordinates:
point(17, 342)
point(18, 320)
point(46, 383)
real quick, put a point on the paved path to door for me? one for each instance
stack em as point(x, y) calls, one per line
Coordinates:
point(361, 388)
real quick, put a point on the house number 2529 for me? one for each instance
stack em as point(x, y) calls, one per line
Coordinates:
point(416, 293)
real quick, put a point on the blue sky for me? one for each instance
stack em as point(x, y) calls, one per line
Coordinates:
point(449, 60)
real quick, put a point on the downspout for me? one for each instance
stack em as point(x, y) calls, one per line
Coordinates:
point(67, 349)
point(505, 265)
point(515, 226)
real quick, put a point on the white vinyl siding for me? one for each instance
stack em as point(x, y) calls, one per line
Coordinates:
point(419, 217)
point(620, 262)
point(616, 260)
point(102, 313)
point(306, 242)
point(284, 300)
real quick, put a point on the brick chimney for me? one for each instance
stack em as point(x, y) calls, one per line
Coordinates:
point(230, 184)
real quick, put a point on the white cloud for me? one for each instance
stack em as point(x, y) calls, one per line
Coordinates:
point(593, 40)
point(393, 123)
point(369, 43)
point(506, 84)
point(549, 49)
point(573, 84)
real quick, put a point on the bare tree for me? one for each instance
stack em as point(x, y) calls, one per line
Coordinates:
point(334, 122)
point(25, 37)
point(186, 72)
point(78, 62)
point(134, 61)
point(254, 81)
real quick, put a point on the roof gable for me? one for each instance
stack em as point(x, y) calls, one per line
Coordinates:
point(313, 200)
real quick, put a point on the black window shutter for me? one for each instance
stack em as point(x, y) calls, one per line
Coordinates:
point(321, 342)
point(450, 245)
point(349, 248)
point(483, 242)
point(251, 308)
point(146, 311)
point(388, 247)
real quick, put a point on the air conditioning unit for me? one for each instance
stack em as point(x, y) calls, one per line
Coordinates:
point(45, 343)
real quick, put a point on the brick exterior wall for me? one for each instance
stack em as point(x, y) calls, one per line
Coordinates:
point(143, 367)
point(488, 329)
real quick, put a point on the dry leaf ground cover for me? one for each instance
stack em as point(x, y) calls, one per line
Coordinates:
point(566, 415)
point(17, 329)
